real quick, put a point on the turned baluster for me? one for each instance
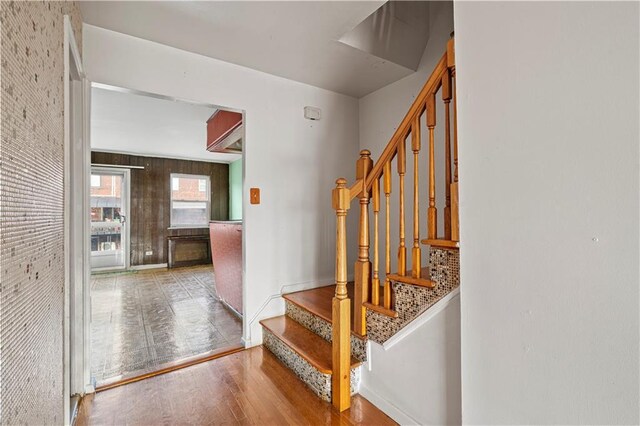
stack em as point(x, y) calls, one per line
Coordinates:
point(432, 213)
point(341, 306)
point(375, 284)
point(455, 214)
point(451, 66)
point(416, 252)
point(387, 195)
point(446, 97)
point(402, 169)
point(455, 206)
point(362, 272)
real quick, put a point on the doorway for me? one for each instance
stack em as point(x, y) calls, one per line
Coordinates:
point(109, 200)
point(161, 195)
point(75, 331)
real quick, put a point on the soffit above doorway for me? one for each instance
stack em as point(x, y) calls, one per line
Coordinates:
point(296, 40)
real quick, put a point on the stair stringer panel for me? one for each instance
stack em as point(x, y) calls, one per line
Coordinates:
point(411, 301)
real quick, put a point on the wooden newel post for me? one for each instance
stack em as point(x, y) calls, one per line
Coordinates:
point(362, 270)
point(341, 308)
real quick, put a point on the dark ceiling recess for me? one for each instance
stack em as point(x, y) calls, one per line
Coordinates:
point(224, 132)
point(398, 32)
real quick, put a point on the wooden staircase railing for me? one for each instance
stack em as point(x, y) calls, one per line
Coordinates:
point(368, 186)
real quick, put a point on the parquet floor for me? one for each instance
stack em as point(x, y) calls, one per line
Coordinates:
point(143, 321)
point(250, 388)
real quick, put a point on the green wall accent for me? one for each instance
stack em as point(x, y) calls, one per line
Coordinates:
point(235, 190)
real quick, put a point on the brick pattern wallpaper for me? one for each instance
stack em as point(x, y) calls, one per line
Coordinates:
point(31, 209)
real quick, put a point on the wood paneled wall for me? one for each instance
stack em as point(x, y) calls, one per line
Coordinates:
point(149, 215)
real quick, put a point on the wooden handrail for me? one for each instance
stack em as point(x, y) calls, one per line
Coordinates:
point(431, 86)
point(374, 184)
point(355, 189)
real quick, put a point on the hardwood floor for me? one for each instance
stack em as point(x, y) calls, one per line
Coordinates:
point(250, 387)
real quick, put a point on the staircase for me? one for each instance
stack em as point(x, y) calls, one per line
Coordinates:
point(323, 335)
point(301, 339)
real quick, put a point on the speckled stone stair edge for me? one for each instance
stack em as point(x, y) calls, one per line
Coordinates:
point(319, 383)
point(323, 329)
point(411, 301)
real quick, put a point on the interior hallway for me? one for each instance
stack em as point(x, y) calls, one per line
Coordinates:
point(143, 321)
point(248, 387)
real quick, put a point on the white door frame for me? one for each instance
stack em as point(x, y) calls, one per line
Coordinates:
point(77, 152)
point(126, 231)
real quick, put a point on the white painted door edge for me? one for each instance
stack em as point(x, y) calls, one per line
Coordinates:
point(73, 70)
point(421, 319)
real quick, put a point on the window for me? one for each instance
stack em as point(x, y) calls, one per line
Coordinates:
point(95, 181)
point(190, 200)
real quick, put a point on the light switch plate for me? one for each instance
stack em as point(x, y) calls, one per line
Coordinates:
point(254, 195)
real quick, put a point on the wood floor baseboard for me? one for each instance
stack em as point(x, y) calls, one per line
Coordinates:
point(177, 365)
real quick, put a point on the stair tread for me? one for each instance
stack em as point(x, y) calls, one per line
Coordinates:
point(423, 281)
point(318, 301)
point(442, 243)
point(310, 346)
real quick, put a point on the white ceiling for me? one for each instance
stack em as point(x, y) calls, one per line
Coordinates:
point(296, 40)
point(137, 124)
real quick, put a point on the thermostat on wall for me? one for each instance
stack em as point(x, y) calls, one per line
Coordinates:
point(311, 113)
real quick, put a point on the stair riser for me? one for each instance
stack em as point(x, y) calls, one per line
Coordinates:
point(411, 301)
point(319, 382)
point(324, 329)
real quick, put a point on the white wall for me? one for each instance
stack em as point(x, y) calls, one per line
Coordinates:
point(290, 237)
point(417, 381)
point(548, 131)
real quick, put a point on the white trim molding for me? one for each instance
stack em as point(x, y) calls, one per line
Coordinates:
point(76, 209)
point(145, 267)
point(387, 407)
point(422, 319)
